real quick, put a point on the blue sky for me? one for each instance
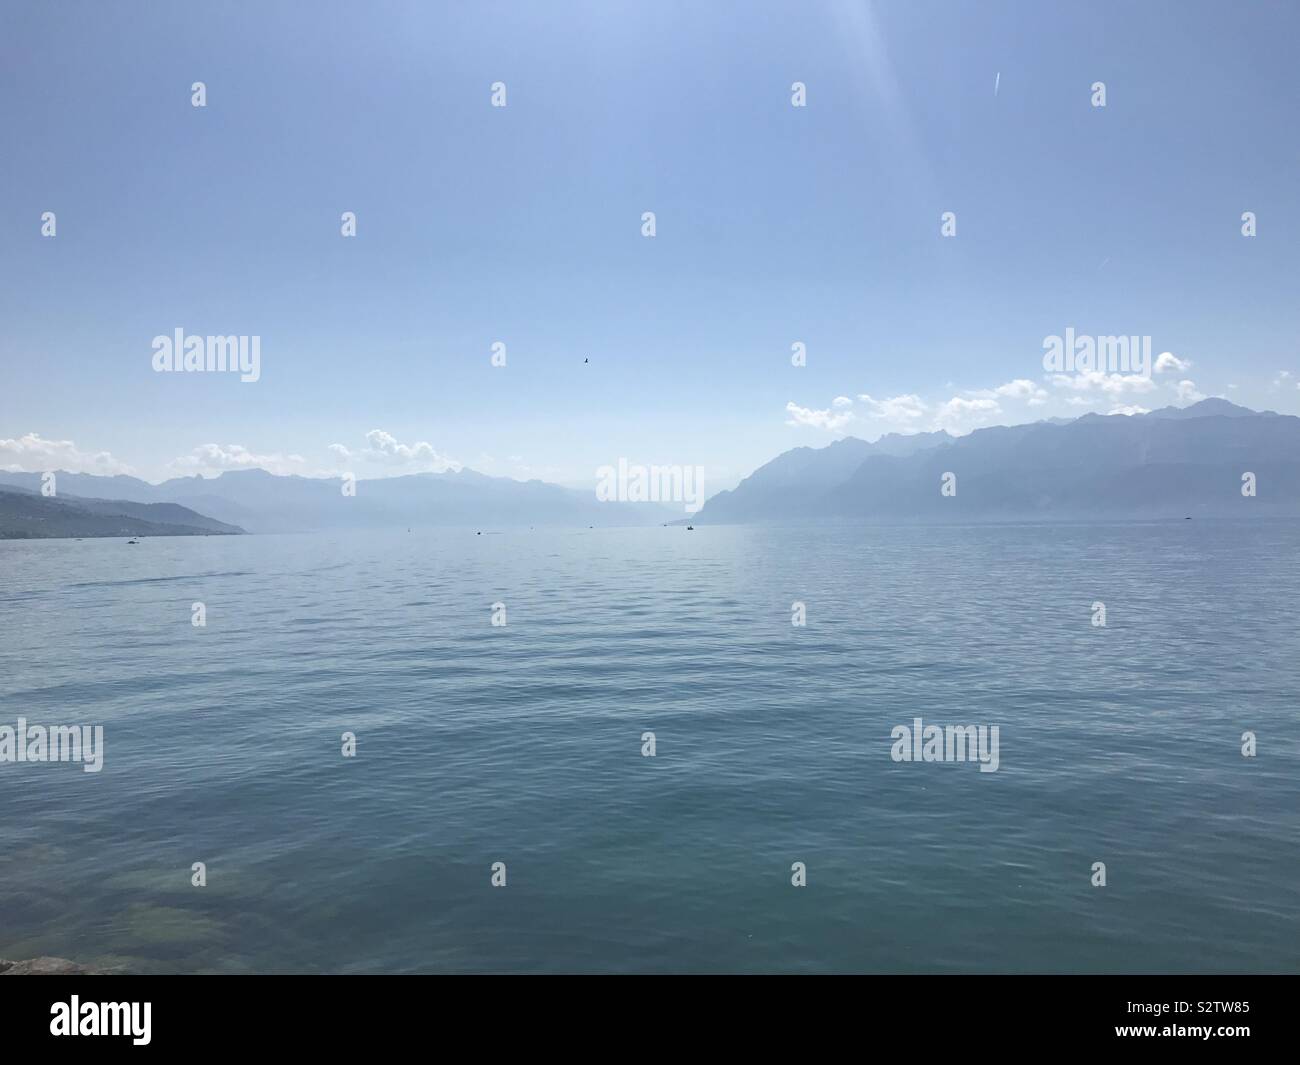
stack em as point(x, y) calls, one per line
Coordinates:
point(522, 224)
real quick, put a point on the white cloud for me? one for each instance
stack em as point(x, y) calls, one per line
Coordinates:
point(898, 409)
point(1019, 389)
point(973, 408)
point(817, 419)
point(1110, 384)
point(216, 458)
point(960, 414)
point(977, 407)
point(34, 454)
point(1187, 393)
point(1167, 360)
point(385, 449)
point(909, 413)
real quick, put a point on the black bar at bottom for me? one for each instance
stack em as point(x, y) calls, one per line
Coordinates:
point(341, 1013)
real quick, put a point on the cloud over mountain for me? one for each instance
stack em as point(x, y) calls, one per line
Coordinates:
point(34, 454)
point(382, 448)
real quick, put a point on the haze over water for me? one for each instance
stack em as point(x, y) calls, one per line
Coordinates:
point(522, 744)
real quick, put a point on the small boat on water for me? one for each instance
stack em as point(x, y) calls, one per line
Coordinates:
point(690, 528)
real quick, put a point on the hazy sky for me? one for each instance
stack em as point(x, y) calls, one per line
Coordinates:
point(522, 224)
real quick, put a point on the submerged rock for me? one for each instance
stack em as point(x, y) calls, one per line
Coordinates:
point(43, 967)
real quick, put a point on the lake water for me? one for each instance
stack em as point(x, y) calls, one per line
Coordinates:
point(522, 744)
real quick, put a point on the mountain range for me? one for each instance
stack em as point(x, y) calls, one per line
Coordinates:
point(261, 502)
point(27, 514)
point(1171, 463)
point(1175, 462)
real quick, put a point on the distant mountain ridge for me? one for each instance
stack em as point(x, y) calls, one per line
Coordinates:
point(801, 476)
point(1213, 407)
point(1174, 462)
point(26, 514)
point(263, 502)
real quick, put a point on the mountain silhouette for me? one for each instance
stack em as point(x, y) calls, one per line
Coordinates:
point(263, 502)
point(1174, 462)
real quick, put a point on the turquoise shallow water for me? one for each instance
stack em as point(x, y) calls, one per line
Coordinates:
point(522, 744)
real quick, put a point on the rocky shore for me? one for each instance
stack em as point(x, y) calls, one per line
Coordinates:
point(43, 967)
